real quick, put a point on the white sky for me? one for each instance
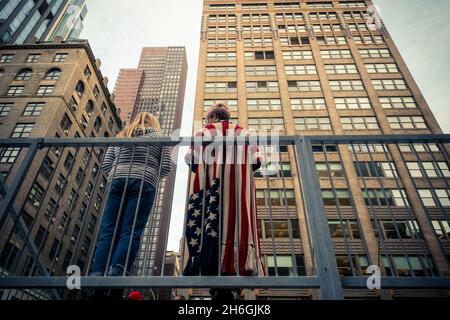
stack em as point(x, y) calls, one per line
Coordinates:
point(118, 29)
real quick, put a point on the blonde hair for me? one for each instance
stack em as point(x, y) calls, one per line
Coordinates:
point(142, 122)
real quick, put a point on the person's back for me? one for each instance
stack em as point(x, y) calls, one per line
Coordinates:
point(134, 173)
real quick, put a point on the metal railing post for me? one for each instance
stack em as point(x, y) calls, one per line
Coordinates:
point(327, 271)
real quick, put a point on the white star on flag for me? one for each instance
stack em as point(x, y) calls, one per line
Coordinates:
point(196, 213)
point(213, 234)
point(212, 216)
point(198, 232)
point(195, 196)
point(190, 206)
point(212, 199)
point(191, 223)
point(208, 226)
point(194, 242)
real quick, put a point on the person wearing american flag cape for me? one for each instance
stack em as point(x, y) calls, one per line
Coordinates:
point(222, 224)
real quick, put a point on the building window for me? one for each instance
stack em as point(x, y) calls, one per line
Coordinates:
point(260, 71)
point(87, 72)
point(15, 90)
point(376, 169)
point(300, 70)
point(89, 108)
point(382, 68)
point(85, 247)
point(34, 57)
point(346, 85)
point(352, 103)
point(66, 123)
point(278, 170)
point(398, 103)
point(298, 55)
point(54, 250)
point(336, 54)
point(262, 86)
point(399, 229)
point(97, 124)
point(80, 88)
point(407, 266)
point(92, 224)
point(53, 74)
point(24, 75)
point(308, 104)
point(69, 160)
point(47, 168)
point(344, 229)
point(45, 90)
point(36, 195)
point(33, 109)
point(221, 87)
point(352, 265)
point(303, 124)
point(22, 130)
point(440, 197)
point(428, 169)
point(60, 57)
point(60, 184)
point(330, 170)
point(96, 91)
point(221, 56)
point(359, 123)
point(263, 104)
point(6, 58)
point(286, 266)
point(304, 86)
point(388, 84)
point(265, 124)
point(5, 108)
point(275, 197)
point(341, 198)
point(407, 122)
point(221, 71)
point(378, 197)
point(259, 55)
point(442, 228)
point(375, 53)
point(341, 69)
point(9, 155)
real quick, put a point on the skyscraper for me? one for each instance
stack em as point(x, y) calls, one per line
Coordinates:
point(22, 21)
point(316, 67)
point(157, 86)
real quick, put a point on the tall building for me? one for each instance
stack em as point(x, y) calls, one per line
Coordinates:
point(54, 91)
point(315, 67)
point(157, 86)
point(24, 21)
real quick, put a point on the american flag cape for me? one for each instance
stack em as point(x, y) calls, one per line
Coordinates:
point(222, 207)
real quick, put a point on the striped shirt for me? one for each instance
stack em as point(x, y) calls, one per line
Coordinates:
point(152, 163)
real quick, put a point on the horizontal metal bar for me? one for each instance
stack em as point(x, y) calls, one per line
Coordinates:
point(430, 138)
point(187, 141)
point(399, 282)
point(163, 282)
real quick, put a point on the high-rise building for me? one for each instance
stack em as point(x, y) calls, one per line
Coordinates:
point(52, 91)
point(157, 86)
point(315, 67)
point(23, 21)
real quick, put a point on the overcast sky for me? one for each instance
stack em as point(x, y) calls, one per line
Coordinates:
point(118, 29)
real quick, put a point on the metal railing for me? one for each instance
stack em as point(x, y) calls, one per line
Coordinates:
point(320, 212)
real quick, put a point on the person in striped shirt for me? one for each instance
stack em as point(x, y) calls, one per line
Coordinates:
point(134, 173)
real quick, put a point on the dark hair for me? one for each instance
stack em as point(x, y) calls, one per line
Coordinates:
point(219, 111)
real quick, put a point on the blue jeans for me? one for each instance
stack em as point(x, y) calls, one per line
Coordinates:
point(111, 215)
